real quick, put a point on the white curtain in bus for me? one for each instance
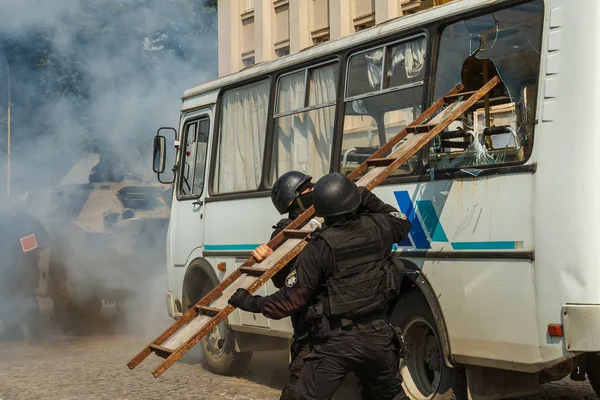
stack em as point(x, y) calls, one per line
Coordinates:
point(410, 54)
point(303, 140)
point(242, 138)
point(291, 92)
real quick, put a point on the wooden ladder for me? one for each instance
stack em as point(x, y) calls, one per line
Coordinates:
point(205, 315)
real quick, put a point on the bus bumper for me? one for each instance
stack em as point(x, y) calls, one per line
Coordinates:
point(581, 324)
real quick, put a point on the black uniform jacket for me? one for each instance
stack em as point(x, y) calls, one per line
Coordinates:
point(315, 263)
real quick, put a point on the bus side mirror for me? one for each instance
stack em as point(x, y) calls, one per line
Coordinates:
point(159, 154)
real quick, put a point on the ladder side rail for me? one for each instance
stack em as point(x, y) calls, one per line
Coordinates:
point(374, 179)
point(443, 124)
point(214, 321)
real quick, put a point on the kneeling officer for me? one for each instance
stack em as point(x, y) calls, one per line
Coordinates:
point(346, 271)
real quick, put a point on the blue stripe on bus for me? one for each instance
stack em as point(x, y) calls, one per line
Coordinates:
point(230, 247)
point(416, 231)
point(483, 245)
point(455, 246)
point(431, 221)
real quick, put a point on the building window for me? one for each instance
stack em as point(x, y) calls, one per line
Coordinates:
point(320, 36)
point(282, 51)
point(249, 60)
point(364, 23)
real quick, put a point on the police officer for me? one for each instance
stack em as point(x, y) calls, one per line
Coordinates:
point(292, 194)
point(344, 274)
point(22, 237)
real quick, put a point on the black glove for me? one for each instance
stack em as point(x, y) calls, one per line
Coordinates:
point(243, 300)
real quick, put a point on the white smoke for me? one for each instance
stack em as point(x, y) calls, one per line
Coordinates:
point(128, 64)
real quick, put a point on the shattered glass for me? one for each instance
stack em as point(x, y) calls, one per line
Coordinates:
point(508, 44)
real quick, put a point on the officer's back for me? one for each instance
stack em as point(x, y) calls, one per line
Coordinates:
point(22, 236)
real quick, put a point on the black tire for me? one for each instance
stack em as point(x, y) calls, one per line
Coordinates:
point(593, 371)
point(221, 357)
point(218, 347)
point(425, 374)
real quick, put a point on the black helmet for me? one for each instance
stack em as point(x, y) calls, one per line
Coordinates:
point(335, 195)
point(285, 189)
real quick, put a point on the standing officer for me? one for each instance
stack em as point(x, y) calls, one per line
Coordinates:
point(292, 194)
point(345, 273)
point(22, 237)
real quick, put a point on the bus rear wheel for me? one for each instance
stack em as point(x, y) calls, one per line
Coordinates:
point(425, 374)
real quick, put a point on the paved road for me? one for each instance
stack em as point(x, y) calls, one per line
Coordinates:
point(93, 367)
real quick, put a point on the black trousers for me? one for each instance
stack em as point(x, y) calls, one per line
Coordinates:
point(368, 350)
point(298, 351)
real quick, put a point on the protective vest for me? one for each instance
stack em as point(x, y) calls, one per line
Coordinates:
point(357, 286)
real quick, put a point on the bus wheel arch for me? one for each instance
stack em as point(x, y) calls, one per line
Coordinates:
point(218, 347)
point(430, 372)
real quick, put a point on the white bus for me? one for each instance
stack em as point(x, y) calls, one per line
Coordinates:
point(503, 277)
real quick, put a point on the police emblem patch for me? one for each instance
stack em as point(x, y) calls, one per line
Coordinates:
point(398, 215)
point(291, 279)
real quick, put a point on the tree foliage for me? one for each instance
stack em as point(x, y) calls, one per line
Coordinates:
point(51, 64)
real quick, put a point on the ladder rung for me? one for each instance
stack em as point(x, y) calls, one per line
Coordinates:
point(208, 311)
point(253, 271)
point(454, 145)
point(453, 97)
point(421, 128)
point(295, 234)
point(160, 351)
point(380, 162)
point(193, 326)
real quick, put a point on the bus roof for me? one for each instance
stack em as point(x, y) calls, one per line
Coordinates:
point(390, 27)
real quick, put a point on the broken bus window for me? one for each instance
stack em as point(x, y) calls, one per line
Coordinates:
point(505, 43)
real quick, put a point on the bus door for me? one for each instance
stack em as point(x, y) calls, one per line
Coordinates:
point(187, 219)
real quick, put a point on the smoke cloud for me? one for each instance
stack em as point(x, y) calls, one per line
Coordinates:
point(86, 74)
point(97, 76)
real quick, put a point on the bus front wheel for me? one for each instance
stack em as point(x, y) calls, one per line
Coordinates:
point(425, 374)
point(218, 347)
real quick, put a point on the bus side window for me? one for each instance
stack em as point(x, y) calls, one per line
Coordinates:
point(241, 143)
point(499, 129)
point(188, 156)
point(194, 157)
point(380, 100)
point(304, 118)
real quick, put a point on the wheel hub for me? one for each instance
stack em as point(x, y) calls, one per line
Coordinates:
point(215, 342)
point(422, 372)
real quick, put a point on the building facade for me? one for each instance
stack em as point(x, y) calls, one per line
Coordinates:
point(253, 31)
